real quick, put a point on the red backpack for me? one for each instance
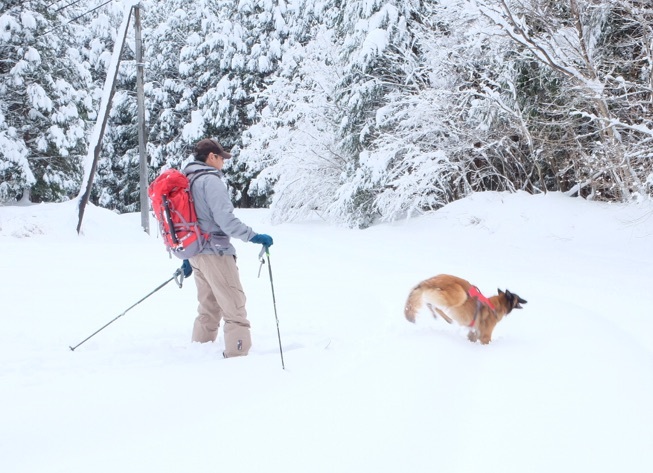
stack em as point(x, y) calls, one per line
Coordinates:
point(173, 208)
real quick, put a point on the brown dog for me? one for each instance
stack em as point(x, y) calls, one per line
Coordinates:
point(455, 299)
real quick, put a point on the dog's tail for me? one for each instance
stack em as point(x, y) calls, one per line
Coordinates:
point(413, 304)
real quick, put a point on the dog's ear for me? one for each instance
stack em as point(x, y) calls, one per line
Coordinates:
point(499, 291)
point(514, 300)
point(517, 301)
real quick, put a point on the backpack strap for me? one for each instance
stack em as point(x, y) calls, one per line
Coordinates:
point(192, 176)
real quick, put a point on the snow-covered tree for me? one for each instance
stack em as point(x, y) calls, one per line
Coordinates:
point(356, 109)
point(323, 108)
point(168, 29)
point(226, 50)
point(292, 149)
point(586, 77)
point(44, 102)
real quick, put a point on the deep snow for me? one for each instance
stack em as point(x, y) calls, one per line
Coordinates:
point(565, 386)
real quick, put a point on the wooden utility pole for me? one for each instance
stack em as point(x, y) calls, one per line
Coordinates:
point(140, 94)
point(95, 145)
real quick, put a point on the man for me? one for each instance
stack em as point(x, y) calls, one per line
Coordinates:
point(219, 292)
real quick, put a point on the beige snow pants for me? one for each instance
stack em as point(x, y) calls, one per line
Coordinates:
point(221, 298)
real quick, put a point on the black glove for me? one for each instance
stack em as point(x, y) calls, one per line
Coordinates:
point(262, 239)
point(186, 268)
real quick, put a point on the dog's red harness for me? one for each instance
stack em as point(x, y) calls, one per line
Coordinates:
point(476, 294)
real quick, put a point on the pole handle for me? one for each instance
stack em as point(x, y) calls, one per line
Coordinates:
point(264, 250)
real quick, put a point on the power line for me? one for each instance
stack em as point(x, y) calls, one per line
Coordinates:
point(56, 1)
point(76, 18)
point(66, 6)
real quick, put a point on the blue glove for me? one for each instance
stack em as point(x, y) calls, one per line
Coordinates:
point(186, 268)
point(262, 239)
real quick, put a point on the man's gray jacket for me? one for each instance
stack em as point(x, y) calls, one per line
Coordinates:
point(215, 212)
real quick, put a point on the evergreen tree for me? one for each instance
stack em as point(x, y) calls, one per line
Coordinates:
point(329, 91)
point(45, 102)
point(169, 30)
point(226, 51)
point(356, 109)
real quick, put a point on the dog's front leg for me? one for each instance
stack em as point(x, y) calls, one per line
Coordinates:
point(472, 335)
point(485, 336)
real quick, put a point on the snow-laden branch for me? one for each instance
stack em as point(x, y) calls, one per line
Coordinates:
point(546, 48)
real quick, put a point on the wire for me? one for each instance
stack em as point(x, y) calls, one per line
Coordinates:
point(76, 18)
point(90, 11)
point(66, 6)
point(56, 1)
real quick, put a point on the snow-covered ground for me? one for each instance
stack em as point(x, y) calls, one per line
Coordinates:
point(565, 386)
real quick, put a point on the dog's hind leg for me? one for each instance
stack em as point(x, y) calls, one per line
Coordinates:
point(435, 311)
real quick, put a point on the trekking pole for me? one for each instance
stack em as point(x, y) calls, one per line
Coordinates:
point(178, 276)
point(266, 251)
